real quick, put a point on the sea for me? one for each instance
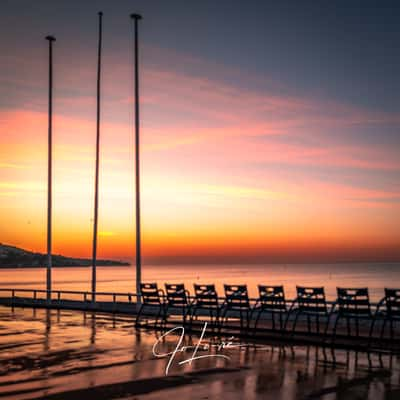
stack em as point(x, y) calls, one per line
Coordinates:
point(70, 355)
point(117, 279)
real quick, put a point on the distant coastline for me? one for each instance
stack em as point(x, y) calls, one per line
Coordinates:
point(15, 257)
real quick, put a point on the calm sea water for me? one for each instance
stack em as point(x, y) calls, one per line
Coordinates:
point(375, 276)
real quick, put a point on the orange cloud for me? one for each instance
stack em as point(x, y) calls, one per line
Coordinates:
point(226, 169)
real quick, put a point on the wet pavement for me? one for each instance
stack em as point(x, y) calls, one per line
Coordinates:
point(76, 355)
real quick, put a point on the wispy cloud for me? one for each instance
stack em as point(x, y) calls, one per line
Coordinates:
point(214, 152)
point(11, 165)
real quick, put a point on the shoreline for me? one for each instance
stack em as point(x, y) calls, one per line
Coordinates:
point(64, 266)
point(204, 264)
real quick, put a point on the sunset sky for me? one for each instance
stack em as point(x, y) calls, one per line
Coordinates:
point(270, 130)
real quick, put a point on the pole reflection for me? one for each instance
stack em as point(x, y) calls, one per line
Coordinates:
point(83, 351)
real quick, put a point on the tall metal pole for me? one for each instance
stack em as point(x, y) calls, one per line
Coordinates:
point(50, 39)
point(136, 18)
point(96, 184)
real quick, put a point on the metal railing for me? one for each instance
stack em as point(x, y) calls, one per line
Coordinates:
point(66, 295)
point(114, 297)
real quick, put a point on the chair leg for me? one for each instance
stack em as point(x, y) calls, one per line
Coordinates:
point(280, 320)
point(244, 318)
point(157, 317)
point(328, 321)
point(348, 326)
point(224, 317)
point(210, 312)
point(186, 311)
point(192, 317)
point(218, 316)
point(335, 328)
point(167, 307)
point(295, 322)
point(256, 322)
point(252, 311)
point(371, 328)
point(139, 315)
point(383, 328)
point(218, 320)
point(391, 329)
point(273, 320)
point(247, 321)
point(371, 331)
point(289, 313)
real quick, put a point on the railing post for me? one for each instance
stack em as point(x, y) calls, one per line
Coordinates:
point(85, 297)
point(34, 295)
point(114, 297)
point(58, 296)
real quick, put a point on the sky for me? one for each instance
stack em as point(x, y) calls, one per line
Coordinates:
point(270, 131)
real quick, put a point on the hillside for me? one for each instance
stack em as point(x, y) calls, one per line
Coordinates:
point(11, 257)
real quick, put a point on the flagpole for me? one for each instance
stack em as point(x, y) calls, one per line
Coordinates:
point(136, 18)
point(96, 185)
point(50, 39)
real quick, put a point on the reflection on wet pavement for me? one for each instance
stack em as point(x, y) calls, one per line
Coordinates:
point(72, 355)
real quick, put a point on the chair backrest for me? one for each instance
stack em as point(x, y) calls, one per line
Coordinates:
point(151, 295)
point(176, 294)
point(311, 299)
point(236, 296)
point(206, 295)
point(272, 297)
point(392, 300)
point(353, 301)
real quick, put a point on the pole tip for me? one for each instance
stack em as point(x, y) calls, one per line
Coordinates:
point(50, 38)
point(100, 13)
point(136, 16)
